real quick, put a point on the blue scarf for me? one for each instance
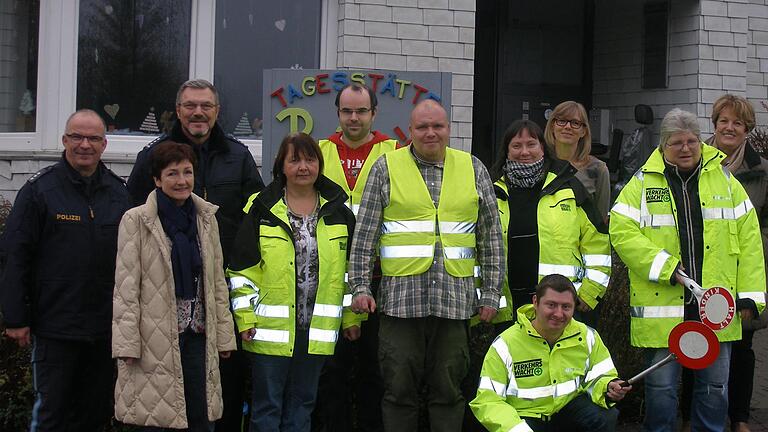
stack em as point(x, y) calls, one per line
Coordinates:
point(180, 225)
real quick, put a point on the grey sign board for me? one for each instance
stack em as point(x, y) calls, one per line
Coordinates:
point(303, 101)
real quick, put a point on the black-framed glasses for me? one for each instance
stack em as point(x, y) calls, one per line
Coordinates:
point(575, 124)
point(358, 111)
point(77, 138)
point(205, 106)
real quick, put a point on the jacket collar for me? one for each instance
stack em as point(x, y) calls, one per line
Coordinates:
point(71, 174)
point(205, 210)
point(333, 195)
point(216, 141)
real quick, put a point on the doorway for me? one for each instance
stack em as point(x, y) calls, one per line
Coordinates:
point(539, 54)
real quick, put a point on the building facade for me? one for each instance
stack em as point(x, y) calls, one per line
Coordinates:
point(508, 59)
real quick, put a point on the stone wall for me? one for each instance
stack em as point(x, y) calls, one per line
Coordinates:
point(415, 35)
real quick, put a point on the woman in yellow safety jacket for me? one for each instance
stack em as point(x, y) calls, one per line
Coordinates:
point(287, 284)
point(549, 223)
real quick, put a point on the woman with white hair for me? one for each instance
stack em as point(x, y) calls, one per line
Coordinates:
point(683, 211)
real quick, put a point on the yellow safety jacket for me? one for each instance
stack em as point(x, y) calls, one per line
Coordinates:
point(644, 233)
point(333, 170)
point(411, 223)
point(262, 272)
point(570, 242)
point(522, 376)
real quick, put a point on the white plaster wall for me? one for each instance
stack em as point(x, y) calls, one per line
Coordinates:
point(415, 35)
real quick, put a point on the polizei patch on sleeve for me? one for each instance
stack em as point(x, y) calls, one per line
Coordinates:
point(528, 368)
point(656, 195)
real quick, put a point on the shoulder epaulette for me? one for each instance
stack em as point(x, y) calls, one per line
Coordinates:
point(36, 176)
point(159, 139)
point(231, 137)
point(120, 179)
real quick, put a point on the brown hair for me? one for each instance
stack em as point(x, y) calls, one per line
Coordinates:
point(740, 106)
point(302, 144)
point(168, 152)
point(556, 282)
point(566, 110)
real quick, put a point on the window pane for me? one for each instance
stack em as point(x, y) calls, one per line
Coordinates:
point(255, 35)
point(19, 25)
point(132, 57)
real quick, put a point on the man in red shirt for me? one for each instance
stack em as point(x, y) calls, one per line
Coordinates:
point(348, 157)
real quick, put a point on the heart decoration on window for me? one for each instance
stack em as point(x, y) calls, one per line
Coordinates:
point(112, 110)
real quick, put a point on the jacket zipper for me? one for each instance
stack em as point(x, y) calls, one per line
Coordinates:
point(688, 228)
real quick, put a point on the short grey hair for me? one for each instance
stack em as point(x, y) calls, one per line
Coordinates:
point(677, 121)
point(84, 112)
point(197, 84)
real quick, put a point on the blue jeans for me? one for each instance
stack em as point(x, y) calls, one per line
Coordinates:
point(709, 406)
point(285, 388)
point(578, 415)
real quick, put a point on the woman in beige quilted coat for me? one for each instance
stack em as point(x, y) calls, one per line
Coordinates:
point(171, 318)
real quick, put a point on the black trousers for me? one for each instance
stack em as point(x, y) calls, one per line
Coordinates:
point(72, 381)
point(350, 388)
point(741, 378)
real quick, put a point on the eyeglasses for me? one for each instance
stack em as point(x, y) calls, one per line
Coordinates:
point(77, 138)
point(575, 124)
point(678, 145)
point(205, 106)
point(358, 111)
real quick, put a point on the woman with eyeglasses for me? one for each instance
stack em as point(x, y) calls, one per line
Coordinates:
point(569, 138)
point(683, 211)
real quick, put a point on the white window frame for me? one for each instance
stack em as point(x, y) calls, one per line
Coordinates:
point(57, 77)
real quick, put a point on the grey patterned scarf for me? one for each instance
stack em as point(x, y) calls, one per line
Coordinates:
point(523, 175)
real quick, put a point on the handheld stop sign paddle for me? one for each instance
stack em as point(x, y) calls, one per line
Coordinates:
point(693, 344)
point(716, 305)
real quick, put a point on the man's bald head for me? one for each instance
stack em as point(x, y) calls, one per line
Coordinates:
point(430, 130)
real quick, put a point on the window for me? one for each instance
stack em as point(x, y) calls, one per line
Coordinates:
point(19, 26)
point(132, 57)
point(255, 35)
point(655, 17)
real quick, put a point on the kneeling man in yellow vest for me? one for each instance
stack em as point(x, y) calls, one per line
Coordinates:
point(548, 371)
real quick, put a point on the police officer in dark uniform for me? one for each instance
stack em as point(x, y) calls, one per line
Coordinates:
point(59, 247)
point(226, 175)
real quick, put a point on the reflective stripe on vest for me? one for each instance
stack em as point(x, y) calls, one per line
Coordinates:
point(267, 335)
point(555, 390)
point(327, 310)
point(656, 311)
point(597, 260)
point(319, 335)
point(346, 300)
point(240, 281)
point(657, 220)
point(598, 276)
point(568, 271)
point(494, 386)
point(272, 311)
point(406, 252)
point(658, 265)
point(600, 369)
point(407, 227)
point(757, 297)
point(243, 301)
point(627, 210)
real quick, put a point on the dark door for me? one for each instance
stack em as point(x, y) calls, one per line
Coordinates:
point(542, 56)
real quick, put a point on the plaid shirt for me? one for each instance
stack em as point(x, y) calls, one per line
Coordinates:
point(434, 292)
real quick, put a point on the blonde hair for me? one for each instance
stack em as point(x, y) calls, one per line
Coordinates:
point(740, 106)
point(567, 110)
